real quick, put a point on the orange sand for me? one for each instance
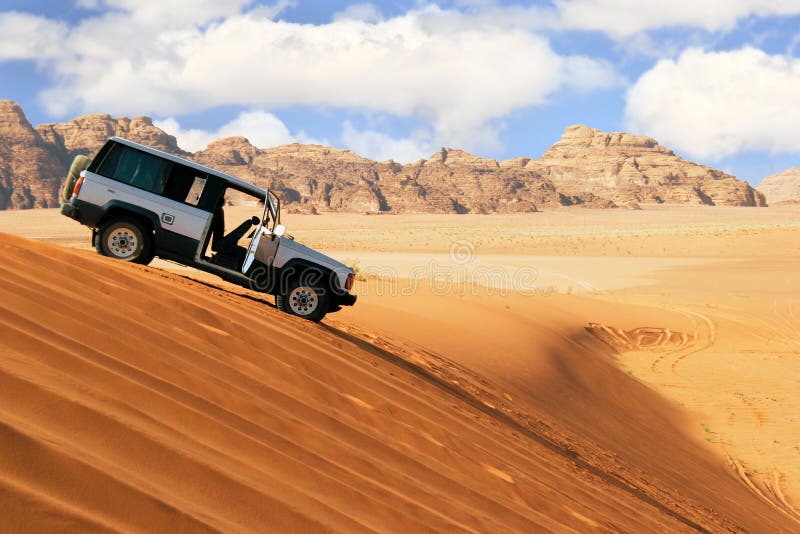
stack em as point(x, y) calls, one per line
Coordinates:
point(662, 399)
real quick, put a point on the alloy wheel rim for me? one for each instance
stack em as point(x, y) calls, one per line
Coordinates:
point(303, 300)
point(122, 242)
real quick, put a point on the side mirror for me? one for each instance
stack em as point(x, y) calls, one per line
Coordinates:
point(279, 230)
point(255, 220)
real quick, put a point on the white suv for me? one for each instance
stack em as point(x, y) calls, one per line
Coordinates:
point(141, 203)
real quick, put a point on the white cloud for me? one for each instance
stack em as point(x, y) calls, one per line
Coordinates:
point(192, 140)
point(454, 72)
point(475, 3)
point(24, 36)
point(261, 128)
point(622, 19)
point(793, 43)
point(380, 146)
point(715, 104)
point(458, 71)
point(361, 12)
point(164, 13)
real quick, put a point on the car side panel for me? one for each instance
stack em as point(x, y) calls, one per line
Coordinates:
point(176, 246)
point(267, 249)
point(289, 251)
point(174, 217)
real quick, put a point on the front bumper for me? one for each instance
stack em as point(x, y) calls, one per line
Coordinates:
point(346, 300)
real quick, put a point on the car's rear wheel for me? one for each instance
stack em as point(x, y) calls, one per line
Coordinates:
point(305, 299)
point(125, 239)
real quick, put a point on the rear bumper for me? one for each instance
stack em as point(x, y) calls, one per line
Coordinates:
point(83, 212)
point(70, 211)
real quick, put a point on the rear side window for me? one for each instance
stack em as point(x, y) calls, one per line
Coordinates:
point(186, 185)
point(137, 168)
point(101, 156)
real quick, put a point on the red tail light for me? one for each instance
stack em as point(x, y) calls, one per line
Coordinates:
point(349, 284)
point(77, 188)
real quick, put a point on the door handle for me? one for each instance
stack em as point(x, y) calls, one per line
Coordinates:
point(111, 191)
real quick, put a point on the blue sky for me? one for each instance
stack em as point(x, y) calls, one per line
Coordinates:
point(718, 82)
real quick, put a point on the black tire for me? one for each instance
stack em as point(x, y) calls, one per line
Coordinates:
point(79, 164)
point(305, 297)
point(125, 239)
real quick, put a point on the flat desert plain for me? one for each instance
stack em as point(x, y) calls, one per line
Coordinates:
point(568, 370)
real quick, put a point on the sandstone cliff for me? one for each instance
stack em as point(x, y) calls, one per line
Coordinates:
point(309, 176)
point(628, 168)
point(31, 171)
point(783, 187)
point(313, 176)
point(85, 135)
point(586, 167)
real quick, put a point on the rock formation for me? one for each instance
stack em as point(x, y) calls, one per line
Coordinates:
point(85, 135)
point(783, 187)
point(586, 167)
point(306, 176)
point(628, 168)
point(313, 176)
point(31, 170)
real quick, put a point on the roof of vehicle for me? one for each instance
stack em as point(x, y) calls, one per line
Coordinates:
point(238, 183)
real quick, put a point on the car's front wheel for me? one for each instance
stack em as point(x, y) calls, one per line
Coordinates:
point(125, 239)
point(304, 299)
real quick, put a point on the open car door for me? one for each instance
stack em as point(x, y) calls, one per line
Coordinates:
point(251, 251)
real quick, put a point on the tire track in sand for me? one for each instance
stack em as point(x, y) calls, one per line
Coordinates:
point(769, 492)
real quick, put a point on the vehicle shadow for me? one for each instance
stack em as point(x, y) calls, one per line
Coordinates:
point(241, 293)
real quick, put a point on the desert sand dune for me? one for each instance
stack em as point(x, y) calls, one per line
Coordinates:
point(148, 399)
point(134, 399)
point(539, 362)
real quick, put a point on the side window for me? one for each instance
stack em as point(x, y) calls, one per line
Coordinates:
point(186, 185)
point(108, 164)
point(131, 166)
point(214, 188)
point(100, 157)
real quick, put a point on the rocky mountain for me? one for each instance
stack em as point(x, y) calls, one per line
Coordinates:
point(31, 170)
point(313, 177)
point(34, 161)
point(586, 167)
point(783, 187)
point(628, 168)
point(85, 135)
